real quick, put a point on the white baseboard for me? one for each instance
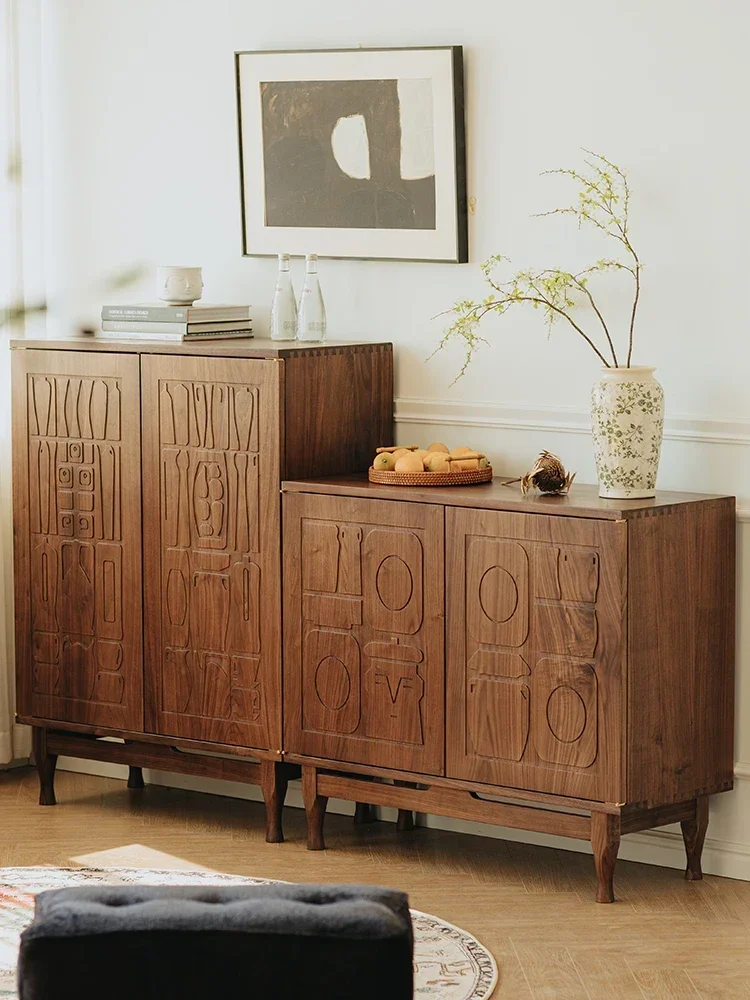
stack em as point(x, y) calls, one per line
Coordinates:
point(662, 847)
point(11, 764)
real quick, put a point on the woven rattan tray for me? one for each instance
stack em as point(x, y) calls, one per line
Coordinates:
point(464, 477)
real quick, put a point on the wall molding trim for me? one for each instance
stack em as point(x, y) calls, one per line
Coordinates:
point(562, 420)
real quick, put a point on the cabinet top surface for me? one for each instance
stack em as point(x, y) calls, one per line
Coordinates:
point(583, 500)
point(239, 347)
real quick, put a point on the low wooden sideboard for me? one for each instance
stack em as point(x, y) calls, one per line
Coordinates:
point(148, 541)
point(557, 664)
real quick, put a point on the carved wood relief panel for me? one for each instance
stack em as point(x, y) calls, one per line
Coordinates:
point(364, 672)
point(533, 608)
point(211, 451)
point(77, 447)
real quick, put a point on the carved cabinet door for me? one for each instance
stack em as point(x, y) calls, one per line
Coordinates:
point(536, 652)
point(77, 519)
point(211, 444)
point(363, 613)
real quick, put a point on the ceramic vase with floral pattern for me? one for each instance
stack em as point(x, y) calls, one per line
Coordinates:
point(627, 417)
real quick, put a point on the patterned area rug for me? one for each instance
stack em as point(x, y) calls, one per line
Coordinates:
point(449, 964)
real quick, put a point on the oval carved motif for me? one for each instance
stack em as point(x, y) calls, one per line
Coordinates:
point(333, 684)
point(394, 583)
point(177, 598)
point(498, 594)
point(566, 714)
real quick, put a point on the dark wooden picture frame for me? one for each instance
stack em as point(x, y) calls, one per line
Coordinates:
point(295, 195)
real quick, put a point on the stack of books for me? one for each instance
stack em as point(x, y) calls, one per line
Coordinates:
point(182, 323)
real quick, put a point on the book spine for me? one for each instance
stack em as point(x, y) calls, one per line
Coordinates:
point(159, 314)
point(177, 314)
point(132, 335)
point(175, 337)
point(140, 326)
point(218, 334)
point(143, 327)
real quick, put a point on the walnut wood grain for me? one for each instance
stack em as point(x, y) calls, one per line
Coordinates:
point(274, 781)
point(371, 693)
point(605, 842)
point(315, 809)
point(442, 801)
point(635, 819)
point(523, 795)
point(211, 456)
point(338, 408)
point(46, 762)
point(77, 503)
point(694, 835)
point(196, 746)
point(273, 777)
point(238, 347)
point(582, 501)
point(538, 683)
point(157, 756)
point(681, 607)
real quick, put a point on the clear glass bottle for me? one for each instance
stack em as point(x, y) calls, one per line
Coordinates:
point(311, 324)
point(284, 306)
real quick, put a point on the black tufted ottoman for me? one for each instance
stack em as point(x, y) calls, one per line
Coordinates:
point(270, 942)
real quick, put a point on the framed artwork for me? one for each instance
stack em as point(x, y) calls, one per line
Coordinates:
point(353, 153)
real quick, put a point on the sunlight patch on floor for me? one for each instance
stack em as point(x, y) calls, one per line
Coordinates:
point(137, 856)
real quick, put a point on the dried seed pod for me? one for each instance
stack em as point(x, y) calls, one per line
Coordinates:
point(548, 475)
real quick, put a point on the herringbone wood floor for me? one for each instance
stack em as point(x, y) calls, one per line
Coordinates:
point(532, 907)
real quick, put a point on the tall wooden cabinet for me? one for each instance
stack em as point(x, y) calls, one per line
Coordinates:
point(147, 540)
point(585, 685)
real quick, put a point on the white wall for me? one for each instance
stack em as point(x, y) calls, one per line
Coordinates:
point(141, 162)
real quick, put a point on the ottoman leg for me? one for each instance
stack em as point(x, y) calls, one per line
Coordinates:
point(45, 766)
point(135, 777)
point(274, 777)
point(315, 809)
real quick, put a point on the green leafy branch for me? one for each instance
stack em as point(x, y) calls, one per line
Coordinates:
point(603, 201)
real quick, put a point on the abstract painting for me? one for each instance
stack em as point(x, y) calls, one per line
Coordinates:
point(353, 153)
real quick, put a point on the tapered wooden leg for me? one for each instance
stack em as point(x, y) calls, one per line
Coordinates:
point(45, 765)
point(605, 840)
point(405, 820)
point(135, 777)
point(694, 835)
point(315, 809)
point(274, 782)
point(363, 814)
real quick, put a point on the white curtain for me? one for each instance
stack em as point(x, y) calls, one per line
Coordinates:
point(14, 740)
